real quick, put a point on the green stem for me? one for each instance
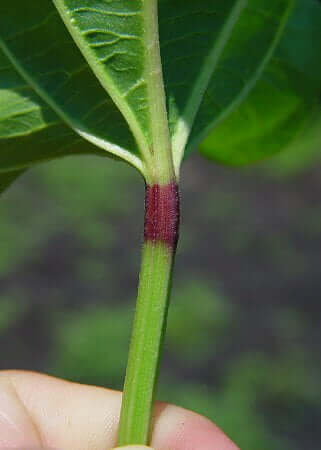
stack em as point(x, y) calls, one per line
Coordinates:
point(147, 338)
point(161, 231)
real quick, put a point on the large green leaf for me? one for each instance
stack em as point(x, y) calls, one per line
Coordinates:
point(112, 37)
point(47, 86)
point(285, 100)
point(213, 53)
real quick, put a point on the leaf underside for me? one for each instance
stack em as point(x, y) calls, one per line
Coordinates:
point(58, 94)
point(282, 107)
point(234, 51)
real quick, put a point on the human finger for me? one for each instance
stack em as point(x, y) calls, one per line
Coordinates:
point(39, 411)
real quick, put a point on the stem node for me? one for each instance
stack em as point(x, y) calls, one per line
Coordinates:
point(162, 213)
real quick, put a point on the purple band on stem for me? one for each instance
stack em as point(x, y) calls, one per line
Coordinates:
point(162, 213)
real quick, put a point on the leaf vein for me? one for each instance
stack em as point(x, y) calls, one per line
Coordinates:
point(105, 12)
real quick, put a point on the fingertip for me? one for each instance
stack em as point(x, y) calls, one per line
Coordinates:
point(180, 429)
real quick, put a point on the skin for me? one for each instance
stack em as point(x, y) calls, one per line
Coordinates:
point(42, 412)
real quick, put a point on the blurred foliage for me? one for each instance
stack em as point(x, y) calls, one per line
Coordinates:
point(283, 385)
point(92, 346)
point(243, 338)
point(78, 335)
point(299, 155)
point(11, 310)
point(73, 194)
point(197, 307)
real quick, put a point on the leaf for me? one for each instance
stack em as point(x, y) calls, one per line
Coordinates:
point(101, 82)
point(213, 54)
point(30, 131)
point(119, 40)
point(302, 153)
point(111, 36)
point(48, 88)
point(284, 102)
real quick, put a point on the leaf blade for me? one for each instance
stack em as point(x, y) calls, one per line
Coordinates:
point(283, 103)
point(181, 135)
point(60, 76)
point(204, 21)
point(119, 40)
point(85, 23)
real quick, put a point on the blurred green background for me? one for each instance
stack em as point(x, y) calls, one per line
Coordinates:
point(243, 342)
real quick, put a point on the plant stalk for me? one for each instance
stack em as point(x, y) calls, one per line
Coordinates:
point(160, 240)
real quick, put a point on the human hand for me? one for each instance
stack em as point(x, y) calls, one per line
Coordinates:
point(42, 412)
